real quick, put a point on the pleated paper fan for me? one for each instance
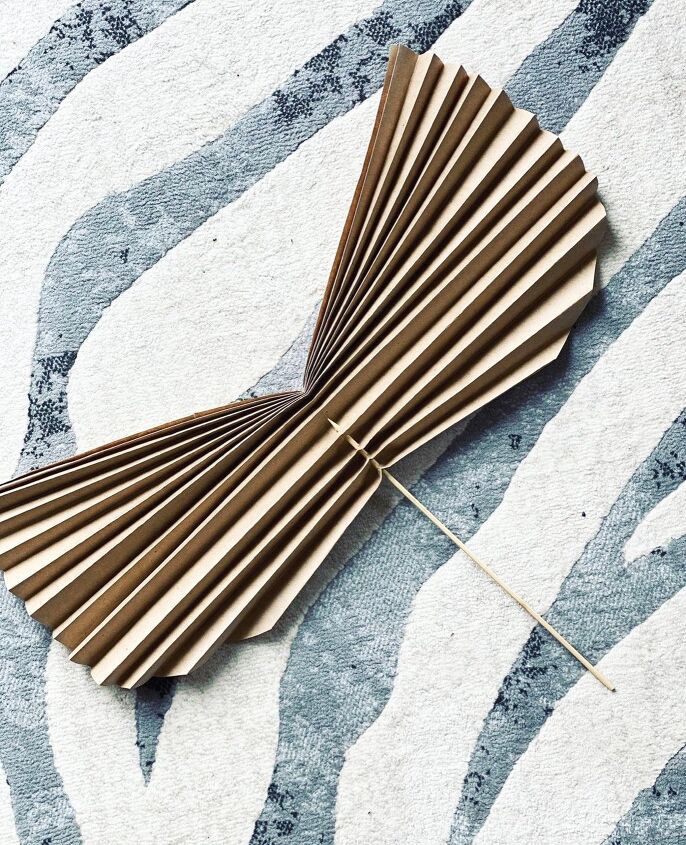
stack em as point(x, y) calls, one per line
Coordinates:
point(468, 253)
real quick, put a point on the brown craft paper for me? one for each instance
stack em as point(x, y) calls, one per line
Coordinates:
point(466, 257)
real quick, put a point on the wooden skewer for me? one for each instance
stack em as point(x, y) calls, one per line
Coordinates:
point(483, 566)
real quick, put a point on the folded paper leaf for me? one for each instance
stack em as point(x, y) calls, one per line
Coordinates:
point(467, 255)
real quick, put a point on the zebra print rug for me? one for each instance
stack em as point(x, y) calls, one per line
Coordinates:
point(173, 178)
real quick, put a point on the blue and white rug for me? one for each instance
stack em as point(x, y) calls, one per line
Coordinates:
point(174, 176)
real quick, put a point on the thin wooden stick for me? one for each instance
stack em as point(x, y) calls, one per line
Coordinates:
point(483, 566)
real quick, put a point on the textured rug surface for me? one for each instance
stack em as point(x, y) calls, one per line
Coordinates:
point(174, 176)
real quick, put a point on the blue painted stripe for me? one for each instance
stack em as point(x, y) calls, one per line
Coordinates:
point(152, 702)
point(83, 38)
point(343, 658)
point(42, 812)
point(600, 602)
point(658, 814)
point(578, 52)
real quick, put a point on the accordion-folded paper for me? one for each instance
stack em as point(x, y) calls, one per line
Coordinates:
point(468, 253)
